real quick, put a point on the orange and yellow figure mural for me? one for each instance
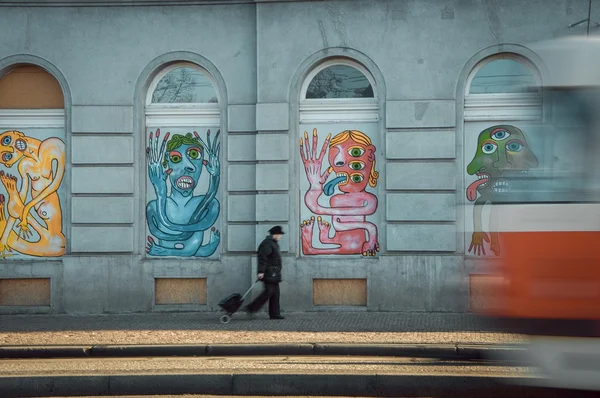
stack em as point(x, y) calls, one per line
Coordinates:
point(339, 194)
point(31, 172)
point(502, 155)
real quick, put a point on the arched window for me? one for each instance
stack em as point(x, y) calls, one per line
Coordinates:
point(183, 121)
point(339, 81)
point(183, 84)
point(507, 75)
point(339, 125)
point(30, 87)
point(32, 119)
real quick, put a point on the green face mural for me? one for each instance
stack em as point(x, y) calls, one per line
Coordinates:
point(502, 153)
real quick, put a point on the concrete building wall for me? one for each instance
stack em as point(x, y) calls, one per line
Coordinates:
point(418, 52)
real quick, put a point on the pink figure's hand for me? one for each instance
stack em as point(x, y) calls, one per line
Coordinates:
point(313, 163)
point(477, 244)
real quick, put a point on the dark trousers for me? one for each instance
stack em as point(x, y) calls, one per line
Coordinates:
point(271, 293)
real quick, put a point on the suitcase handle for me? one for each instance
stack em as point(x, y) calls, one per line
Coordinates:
point(248, 291)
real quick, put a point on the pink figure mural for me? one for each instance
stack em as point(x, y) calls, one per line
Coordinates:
point(352, 163)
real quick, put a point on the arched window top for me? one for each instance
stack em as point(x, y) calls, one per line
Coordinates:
point(504, 74)
point(30, 87)
point(338, 79)
point(182, 83)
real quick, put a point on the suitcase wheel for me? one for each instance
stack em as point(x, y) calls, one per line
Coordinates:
point(225, 318)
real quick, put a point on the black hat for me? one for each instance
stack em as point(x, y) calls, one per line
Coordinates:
point(276, 230)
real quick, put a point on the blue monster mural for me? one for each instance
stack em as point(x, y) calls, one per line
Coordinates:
point(178, 217)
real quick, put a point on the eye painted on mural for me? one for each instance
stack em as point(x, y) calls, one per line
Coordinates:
point(356, 151)
point(6, 156)
point(356, 178)
point(6, 140)
point(500, 135)
point(175, 156)
point(356, 165)
point(194, 153)
point(514, 146)
point(489, 147)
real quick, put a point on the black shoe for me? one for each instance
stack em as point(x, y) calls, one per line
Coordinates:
point(278, 317)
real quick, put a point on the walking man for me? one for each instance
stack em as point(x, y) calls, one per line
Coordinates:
point(269, 272)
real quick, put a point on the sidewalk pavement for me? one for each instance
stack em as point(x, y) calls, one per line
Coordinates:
point(200, 333)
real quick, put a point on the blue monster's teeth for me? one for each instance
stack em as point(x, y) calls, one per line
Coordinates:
point(329, 188)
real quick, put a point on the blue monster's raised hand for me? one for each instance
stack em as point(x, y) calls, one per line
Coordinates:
point(212, 163)
point(156, 172)
point(213, 166)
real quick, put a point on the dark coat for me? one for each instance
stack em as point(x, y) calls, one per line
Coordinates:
point(269, 260)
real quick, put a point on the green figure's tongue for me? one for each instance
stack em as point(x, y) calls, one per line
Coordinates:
point(330, 186)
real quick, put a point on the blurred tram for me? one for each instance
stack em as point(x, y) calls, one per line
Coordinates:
point(546, 282)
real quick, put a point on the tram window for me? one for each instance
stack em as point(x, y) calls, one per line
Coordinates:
point(569, 165)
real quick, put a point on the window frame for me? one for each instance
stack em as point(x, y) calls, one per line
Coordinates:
point(165, 71)
point(33, 118)
point(510, 56)
point(503, 106)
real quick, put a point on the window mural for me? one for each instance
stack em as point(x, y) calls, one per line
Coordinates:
point(340, 194)
point(31, 172)
point(502, 154)
point(183, 206)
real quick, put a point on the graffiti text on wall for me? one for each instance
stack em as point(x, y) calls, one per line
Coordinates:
point(30, 213)
point(501, 152)
point(343, 223)
point(178, 217)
